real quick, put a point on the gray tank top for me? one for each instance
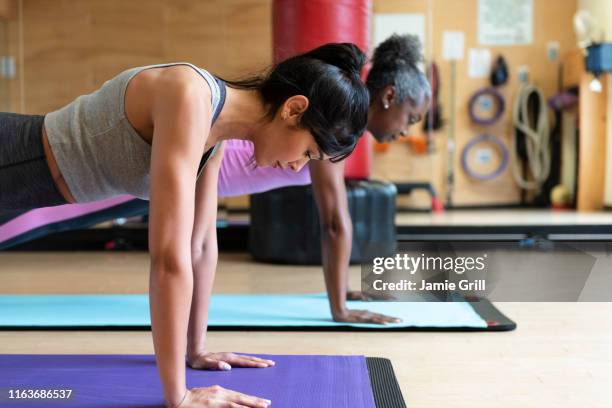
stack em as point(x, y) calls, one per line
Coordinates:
point(97, 150)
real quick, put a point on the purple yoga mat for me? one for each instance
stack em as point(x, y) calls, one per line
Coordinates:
point(44, 216)
point(113, 381)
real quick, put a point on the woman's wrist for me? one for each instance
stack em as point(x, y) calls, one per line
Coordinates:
point(192, 354)
point(195, 344)
point(339, 311)
point(175, 400)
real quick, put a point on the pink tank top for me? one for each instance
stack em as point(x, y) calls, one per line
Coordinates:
point(238, 177)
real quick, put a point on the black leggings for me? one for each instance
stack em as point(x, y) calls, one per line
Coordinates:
point(25, 179)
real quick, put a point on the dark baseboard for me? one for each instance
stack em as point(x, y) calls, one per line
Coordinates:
point(230, 238)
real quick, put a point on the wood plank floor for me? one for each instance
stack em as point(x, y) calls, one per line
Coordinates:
point(560, 355)
point(504, 218)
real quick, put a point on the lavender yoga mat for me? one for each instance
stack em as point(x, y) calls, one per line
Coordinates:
point(114, 381)
point(52, 218)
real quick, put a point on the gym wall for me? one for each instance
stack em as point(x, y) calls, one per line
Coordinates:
point(552, 21)
point(602, 11)
point(71, 46)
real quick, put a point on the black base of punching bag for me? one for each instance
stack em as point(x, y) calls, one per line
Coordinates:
point(285, 223)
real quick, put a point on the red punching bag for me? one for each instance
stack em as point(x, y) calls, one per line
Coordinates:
point(301, 25)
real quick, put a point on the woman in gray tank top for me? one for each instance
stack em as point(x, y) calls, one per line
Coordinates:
point(156, 132)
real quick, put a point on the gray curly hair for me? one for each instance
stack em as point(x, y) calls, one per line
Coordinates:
point(396, 62)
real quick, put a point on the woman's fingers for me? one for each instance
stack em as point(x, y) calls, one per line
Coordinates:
point(222, 365)
point(225, 361)
point(365, 316)
point(246, 361)
point(246, 400)
point(382, 319)
point(386, 319)
point(218, 397)
point(260, 360)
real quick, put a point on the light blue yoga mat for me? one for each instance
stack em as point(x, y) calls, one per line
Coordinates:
point(227, 310)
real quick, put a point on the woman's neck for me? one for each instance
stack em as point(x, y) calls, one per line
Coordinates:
point(240, 116)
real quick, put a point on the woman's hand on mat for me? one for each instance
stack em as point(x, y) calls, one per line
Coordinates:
point(225, 361)
point(359, 295)
point(364, 316)
point(219, 397)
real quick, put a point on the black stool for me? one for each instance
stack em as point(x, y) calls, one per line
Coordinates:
point(285, 223)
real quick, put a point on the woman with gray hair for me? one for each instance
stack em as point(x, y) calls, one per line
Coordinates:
point(399, 90)
point(399, 97)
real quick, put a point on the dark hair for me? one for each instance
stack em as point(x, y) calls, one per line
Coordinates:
point(328, 76)
point(396, 62)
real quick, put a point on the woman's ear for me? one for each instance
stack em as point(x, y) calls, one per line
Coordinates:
point(294, 107)
point(388, 96)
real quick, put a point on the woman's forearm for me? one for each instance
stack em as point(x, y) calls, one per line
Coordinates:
point(204, 266)
point(336, 229)
point(336, 244)
point(169, 292)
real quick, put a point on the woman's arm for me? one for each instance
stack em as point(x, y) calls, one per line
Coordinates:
point(180, 113)
point(337, 240)
point(336, 230)
point(204, 253)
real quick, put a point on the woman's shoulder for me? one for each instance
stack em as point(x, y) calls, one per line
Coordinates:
point(181, 77)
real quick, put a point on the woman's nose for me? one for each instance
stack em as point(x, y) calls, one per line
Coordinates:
point(402, 133)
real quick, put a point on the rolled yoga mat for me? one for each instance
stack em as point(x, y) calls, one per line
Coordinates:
point(21, 227)
point(239, 312)
point(116, 381)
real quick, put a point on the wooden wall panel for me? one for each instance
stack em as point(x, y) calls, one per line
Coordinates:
point(550, 24)
point(57, 45)
point(592, 151)
point(5, 83)
point(124, 34)
point(593, 146)
point(73, 46)
point(12, 86)
point(228, 37)
point(8, 9)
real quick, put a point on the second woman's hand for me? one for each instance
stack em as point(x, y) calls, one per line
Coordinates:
point(225, 361)
point(364, 316)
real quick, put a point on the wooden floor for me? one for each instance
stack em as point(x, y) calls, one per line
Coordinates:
point(470, 217)
point(504, 218)
point(560, 355)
